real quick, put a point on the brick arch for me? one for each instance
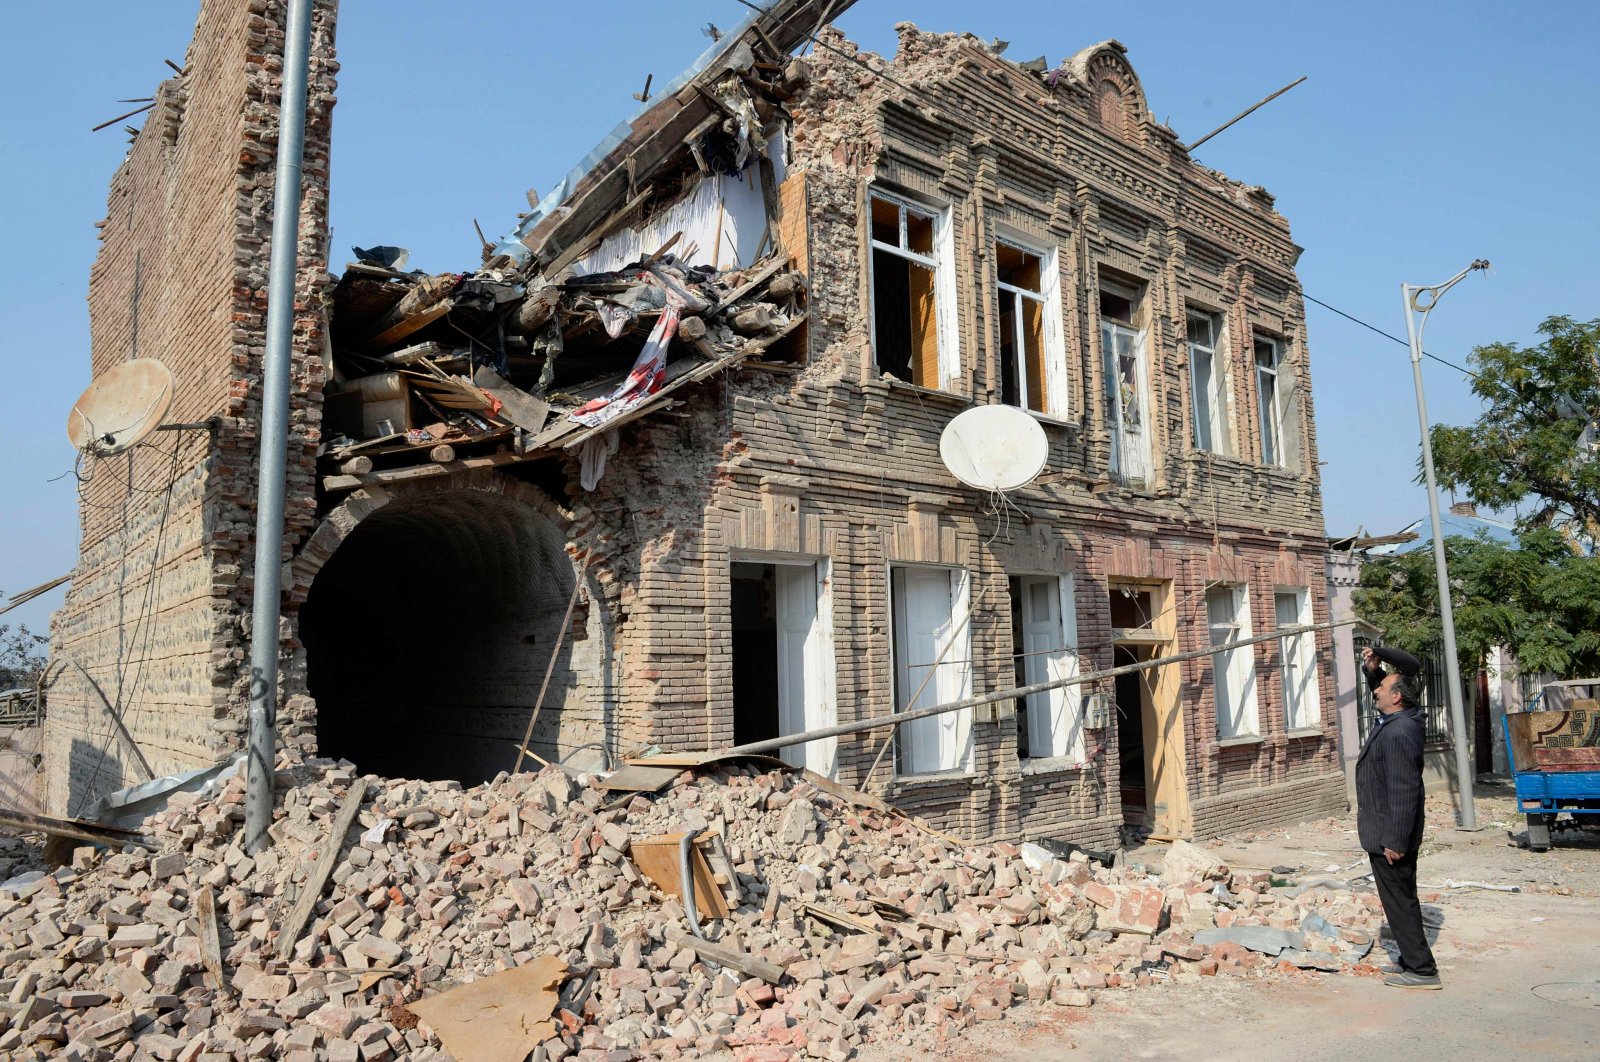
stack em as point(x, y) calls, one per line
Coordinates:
point(488, 580)
point(343, 518)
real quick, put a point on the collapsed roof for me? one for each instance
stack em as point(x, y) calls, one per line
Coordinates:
point(589, 318)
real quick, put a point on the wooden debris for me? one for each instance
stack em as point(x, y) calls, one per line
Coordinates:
point(318, 878)
point(657, 859)
point(732, 958)
point(500, 1018)
point(205, 909)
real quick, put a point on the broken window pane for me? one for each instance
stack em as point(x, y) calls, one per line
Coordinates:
point(885, 222)
point(1023, 378)
point(919, 233)
point(1267, 401)
point(1207, 374)
point(1017, 267)
point(905, 312)
point(1125, 400)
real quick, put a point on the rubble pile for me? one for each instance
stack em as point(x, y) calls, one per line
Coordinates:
point(878, 928)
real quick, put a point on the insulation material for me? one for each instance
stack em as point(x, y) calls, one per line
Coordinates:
point(722, 221)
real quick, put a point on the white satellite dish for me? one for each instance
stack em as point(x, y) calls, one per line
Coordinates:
point(121, 407)
point(994, 447)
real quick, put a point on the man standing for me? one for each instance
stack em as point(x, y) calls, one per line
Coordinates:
point(1389, 808)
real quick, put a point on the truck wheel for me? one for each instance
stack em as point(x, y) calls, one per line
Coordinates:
point(1539, 832)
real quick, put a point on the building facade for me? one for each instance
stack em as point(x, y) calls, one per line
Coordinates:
point(781, 547)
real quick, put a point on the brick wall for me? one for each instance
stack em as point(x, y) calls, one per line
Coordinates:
point(157, 610)
point(838, 462)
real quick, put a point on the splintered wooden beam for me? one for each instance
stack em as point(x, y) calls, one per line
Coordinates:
point(730, 957)
point(317, 880)
point(416, 322)
point(205, 910)
point(77, 829)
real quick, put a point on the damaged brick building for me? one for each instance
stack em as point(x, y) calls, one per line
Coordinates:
point(664, 471)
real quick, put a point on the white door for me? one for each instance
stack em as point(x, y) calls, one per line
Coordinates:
point(805, 690)
point(1055, 723)
point(926, 619)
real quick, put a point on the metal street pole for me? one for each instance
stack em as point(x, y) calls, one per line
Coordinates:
point(1420, 299)
point(271, 483)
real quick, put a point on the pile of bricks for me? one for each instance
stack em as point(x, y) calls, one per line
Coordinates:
point(884, 931)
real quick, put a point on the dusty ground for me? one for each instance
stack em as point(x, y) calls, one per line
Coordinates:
point(1521, 971)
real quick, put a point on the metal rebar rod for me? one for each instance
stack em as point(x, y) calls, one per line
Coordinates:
point(899, 718)
point(271, 482)
point(1247, 112)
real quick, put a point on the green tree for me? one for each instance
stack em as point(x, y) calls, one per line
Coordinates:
point(1529, 445)
point(22, 656)
point(1540, 599)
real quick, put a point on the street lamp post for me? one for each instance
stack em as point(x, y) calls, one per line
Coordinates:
point(1420, 299)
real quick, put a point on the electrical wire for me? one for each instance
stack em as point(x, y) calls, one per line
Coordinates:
point(1386, 335)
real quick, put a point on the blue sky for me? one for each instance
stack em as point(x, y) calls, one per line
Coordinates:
point(1428, 134)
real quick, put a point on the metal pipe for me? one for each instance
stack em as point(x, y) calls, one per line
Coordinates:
point(1412, 295)
point(1017, 692)
point(1247, 112)
point(271, 482)
point(686, 878)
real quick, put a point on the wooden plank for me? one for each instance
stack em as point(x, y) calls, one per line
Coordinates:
point(743, 291)
point(205, 909)
point(77, 829)
point(840, 919)
point(657, 859)
point(416, 322)
point(516, 405)
point(732, 958)
point(410, 472)
point(317, 880)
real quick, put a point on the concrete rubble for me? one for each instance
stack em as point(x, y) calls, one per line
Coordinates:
point(884, 931)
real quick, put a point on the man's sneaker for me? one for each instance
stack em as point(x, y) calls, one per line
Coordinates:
point(1407, 979)
point(1392, 968)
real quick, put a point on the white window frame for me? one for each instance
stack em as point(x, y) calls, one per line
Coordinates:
point(1057, 403)
point(1054, 717)
point(950, 733)
point(1270, 411)
point(941, 262)
point(1233, 671)
point(1219, 439)
point(1302, 692)
point(1139, 470)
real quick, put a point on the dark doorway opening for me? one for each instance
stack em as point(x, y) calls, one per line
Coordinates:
point(1130, 693)
point(428, 631)
point(755, 653)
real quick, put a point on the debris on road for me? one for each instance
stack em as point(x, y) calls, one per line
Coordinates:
point(846, 924)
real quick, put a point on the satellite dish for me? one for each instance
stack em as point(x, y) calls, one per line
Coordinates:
point(994, 447)
point(121, 407)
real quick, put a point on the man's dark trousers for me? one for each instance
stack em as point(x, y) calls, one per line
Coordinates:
point(1397, 888)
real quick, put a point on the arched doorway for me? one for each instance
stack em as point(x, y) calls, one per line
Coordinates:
point(428, 630)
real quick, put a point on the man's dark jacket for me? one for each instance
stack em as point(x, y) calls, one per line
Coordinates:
point(1389, 785)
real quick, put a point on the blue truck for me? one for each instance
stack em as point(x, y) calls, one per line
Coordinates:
point(1554, 751)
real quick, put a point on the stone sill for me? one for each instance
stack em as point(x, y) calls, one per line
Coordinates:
point(1234, 742)
point(1052, 765)
point(1305, 732)
point(937, 778)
